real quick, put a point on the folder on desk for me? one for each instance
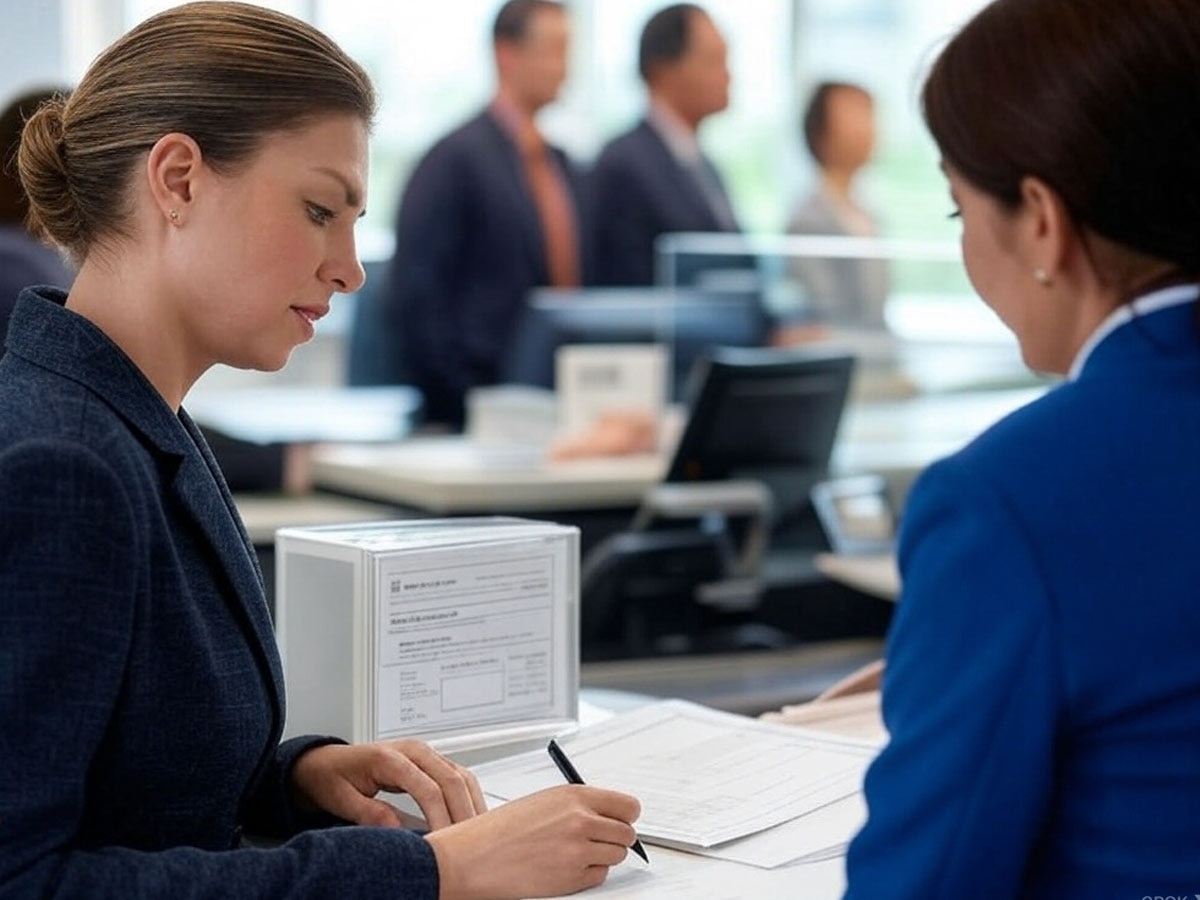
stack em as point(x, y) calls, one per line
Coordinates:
point(462, 632)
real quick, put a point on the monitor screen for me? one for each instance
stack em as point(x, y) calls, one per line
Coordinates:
point(690, 322)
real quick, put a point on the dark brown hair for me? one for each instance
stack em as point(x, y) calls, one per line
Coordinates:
point(1098, 98)
point(815, 120)
point(227, 74)
point(13, 205)
point(512, 21)
point(665, 37)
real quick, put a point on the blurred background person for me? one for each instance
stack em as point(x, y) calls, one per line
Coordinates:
point(24, 260)
point(655, 179)
point(839, 132)
point(489, 213)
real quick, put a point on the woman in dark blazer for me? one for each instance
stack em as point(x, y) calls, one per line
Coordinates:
point(1042, 689)
point(207, 173)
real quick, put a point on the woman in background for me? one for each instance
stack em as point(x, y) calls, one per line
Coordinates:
point(1042, 689)
point(23, 259)
point(839, 132)
point(206, 173)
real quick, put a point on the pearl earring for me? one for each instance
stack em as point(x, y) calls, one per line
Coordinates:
point(1042, 277)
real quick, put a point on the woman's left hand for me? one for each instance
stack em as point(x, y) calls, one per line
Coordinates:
point(343, 780)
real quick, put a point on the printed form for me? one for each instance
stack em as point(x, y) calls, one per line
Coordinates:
point(470, 636)
point(706, 778)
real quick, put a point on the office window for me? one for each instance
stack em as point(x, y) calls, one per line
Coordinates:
point(433, 67)
point(885, 45)
point(425, 89)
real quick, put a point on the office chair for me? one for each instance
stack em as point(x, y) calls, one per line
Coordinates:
point(686, 576)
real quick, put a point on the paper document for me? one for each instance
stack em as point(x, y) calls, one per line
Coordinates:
point(703, 777)
point(822, 834)
point(467, 638)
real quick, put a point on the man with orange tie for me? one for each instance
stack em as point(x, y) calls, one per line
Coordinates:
point(489, 213)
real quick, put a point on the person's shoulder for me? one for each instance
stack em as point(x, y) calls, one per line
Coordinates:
point(812, 214)
point(627, 146)
point(1048, 440)
point(39, 405)
point(460, 141)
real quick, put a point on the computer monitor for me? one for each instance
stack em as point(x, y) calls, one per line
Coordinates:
point(690, 322)
point(766, 413)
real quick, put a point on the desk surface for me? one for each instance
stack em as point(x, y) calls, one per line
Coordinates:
point(447, 475)
point(264, 514)
point(450, 475)
point(748, 682)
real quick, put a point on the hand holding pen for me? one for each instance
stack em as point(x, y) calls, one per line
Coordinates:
point(572, 775)
point(552, 842)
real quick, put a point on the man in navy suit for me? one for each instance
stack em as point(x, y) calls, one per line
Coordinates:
point(488, 214)
point(655, 179)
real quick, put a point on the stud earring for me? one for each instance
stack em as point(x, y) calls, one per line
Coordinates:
point(174, 214)
point(1041, 277)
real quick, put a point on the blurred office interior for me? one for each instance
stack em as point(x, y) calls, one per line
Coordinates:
point(432, 66)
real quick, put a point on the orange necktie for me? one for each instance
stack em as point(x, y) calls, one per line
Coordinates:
point(555, 210)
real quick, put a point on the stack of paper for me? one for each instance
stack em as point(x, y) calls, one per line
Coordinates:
point(714, 783)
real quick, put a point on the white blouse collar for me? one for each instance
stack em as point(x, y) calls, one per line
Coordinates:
point(1148, 303)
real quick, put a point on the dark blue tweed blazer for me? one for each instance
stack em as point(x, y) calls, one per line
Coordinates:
point(141, 702)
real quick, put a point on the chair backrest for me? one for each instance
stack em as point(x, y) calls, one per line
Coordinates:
point(638, 591)
point(770, 414)
point(688, 568)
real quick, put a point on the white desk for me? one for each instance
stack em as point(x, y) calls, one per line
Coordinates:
point(446, 475)
point(264, 514)
point(674, 875)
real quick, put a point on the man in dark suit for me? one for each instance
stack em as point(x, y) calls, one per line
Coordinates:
point(655, 179)
point(488, 214)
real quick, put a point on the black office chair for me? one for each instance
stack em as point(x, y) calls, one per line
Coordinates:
point(687, 575)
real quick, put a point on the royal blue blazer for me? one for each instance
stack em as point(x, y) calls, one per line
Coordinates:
point(141, 702)
point(1042, 689)
point(469, 248)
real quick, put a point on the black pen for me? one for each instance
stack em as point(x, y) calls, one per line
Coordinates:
point(569, 773)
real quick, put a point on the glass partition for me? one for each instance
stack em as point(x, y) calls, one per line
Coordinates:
point(905, 308)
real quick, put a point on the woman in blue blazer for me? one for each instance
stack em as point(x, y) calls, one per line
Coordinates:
point(1042, 689)
point(207, 173)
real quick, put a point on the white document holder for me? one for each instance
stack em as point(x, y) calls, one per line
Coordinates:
point(461, 632)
